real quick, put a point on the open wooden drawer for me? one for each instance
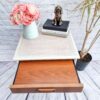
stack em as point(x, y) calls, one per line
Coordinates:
point(46, 76)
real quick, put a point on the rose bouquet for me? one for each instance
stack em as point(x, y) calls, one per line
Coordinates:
point(24, 14)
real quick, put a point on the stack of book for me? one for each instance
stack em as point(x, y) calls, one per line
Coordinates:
point(50, 29)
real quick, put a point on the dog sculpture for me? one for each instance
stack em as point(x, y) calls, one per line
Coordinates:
point(57, 21)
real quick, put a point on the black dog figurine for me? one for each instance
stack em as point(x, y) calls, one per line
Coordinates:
point(57, 21)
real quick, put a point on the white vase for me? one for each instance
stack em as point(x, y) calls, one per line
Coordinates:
point(30, 31)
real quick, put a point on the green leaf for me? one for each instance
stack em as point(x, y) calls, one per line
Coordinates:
point(83, 12)
point(89, 7)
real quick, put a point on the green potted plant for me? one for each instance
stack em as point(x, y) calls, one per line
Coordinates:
point(92, 9)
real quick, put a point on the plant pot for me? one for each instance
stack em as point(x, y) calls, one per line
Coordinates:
point(30, 31)
point(82, 63)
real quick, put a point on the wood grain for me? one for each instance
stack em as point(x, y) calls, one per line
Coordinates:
point(56, 74)
point(89, 78)
point(46, 88)
point(9, 36)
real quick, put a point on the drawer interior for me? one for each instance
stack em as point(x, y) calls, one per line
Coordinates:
point(46, 76)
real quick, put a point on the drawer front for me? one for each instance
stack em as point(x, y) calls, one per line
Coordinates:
point(46, 76)
point(49, 88)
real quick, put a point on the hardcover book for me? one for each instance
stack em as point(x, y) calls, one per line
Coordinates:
point(55, 33)
point(63, 28)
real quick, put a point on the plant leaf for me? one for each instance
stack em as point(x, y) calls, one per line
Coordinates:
point(83, 12)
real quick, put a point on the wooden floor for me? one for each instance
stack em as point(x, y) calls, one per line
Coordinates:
point(9, 36)
point(90, 77)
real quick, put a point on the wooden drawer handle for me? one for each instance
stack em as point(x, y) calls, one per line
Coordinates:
point(46, 90)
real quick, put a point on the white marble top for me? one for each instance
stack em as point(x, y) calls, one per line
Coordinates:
point(46, 47)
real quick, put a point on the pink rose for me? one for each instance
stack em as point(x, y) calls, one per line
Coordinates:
point(24, 14)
